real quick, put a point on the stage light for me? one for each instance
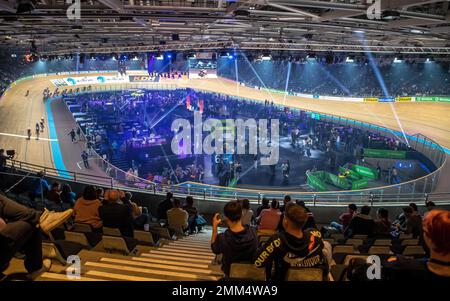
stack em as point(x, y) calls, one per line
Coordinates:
point(266, 57)
point(311, 57)
point(429, 60)
point(159, 57)
point(358, 31)
point(114, 56)
point(93, 57)
point(398, 60)
point(13, 55)
point(230, 56)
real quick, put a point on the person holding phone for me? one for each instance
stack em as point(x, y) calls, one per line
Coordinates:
point(238, 243)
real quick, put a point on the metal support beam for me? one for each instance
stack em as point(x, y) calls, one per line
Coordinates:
point(113, 4)
point(294, 10)
point(337, 14)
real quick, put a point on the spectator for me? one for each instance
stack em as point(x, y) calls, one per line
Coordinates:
point(286, 200)
point(54, 195)
point(164, 206)
point(39, 187)
point(345, 218)
point(413, 224)
point(86, 208)
point(2, 160)
point(436, 229)
point(269, 218)
point(383, 225)
point(67, 195)
point(310, 222)
point(100, 194)
point(264, 205)
point(361, 223)
point(177, 218)
point(116, 215)
point(20, 231)
point(139, 217)
point(247, 213)
point(294, 247)
point(430, 206)
point(238, 243)
point(195, 220)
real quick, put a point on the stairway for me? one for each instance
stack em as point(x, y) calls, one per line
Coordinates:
point(186, 259)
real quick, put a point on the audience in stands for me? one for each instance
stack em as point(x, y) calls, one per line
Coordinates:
point(247, 213)
point(54, 195)
point(430, 206)
point(344, 219)
point(413, 222)
point(382, 225)
point(67, 195)
point(361, 224)
point(269, 219)
point(86, 208)
point(195, 221)
point(238, 243)
point(116, 215)
point(177, 218)
point(436, 232)
point(39, 187)
point(164, 206)
point(139, 217)
point(293, 247)
point(264, 205)
point(310, 222)
point(20, 229)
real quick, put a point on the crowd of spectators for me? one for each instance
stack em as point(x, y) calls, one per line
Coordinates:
point(344, 79)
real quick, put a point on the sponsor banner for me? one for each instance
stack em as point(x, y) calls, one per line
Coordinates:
point(370, 99)
point(433, 98)
point(404, 98)
point(202, 73)
point(143, 78)
point(384, 153)
point(88, 80)
point(340, 98)
point(304, 95)
point(386, 99)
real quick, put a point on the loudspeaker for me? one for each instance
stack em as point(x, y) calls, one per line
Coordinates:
point(175, 37)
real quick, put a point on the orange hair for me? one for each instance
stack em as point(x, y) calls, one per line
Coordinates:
point(436, 227)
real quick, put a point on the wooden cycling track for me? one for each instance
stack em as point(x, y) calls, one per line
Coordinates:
point(18, 112)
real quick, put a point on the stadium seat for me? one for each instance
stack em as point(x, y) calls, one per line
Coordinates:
point(119, 244)
point(360, 236)
point(351, 256)
point(378, 250)
point(143, 236)
point(247, 271)
point(178, 231)
point(354, 242)
point(77, 237)
point(413, 251)
point(382, 242)
point(60, 250)
point(337, 236)
point(80, 227)
point(304, 274)
point(330, 240)
point(410, 242)
point(161, 232)
point(405, 236)
point(263, 238)
point(111, 231)
point(346, 249)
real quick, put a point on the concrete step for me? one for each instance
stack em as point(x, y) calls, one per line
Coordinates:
point(163, 255)
point(186, 264)
point(63, 277)
point(190, 254)
point(123, 277)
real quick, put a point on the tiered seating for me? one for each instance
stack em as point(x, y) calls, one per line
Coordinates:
point(187, 258)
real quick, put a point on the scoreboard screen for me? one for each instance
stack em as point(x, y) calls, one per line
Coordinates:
point(202, 68)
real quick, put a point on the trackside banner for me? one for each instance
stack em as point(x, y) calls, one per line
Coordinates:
point(89, 80)
point(143, 78)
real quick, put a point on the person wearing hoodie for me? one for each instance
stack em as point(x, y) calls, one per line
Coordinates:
point(292, 247)
point(86, 208)
point(238, 243)
point(361, 223)
point(116, 215)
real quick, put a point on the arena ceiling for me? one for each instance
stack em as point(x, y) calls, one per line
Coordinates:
point(408, 26)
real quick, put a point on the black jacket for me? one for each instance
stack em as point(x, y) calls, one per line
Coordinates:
point(118, 216)
point(235, 247)
point(286, 251)
point(360, 224)
point(163, 207)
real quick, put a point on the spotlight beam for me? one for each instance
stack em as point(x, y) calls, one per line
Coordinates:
point(287, 82)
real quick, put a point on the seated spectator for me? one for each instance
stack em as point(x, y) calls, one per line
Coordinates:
point(264, 205)
point(247, 213)
point(413, 222)
point(344, 218)
point(294, 247)
point(286, 200)
point(67, 195)
point(430, 206)
point(238, 243)
point(39, 187)
point(310, 222)
point(164, 206)
point(54, 195)
point(383, 225)
point(100, 194)
point(116, 215)
point(436, 229)
point(361, 223)
point(139, 217)
point(86, 208)
point(177, 218)
point(195, 220)
point(269, 218)
point(20, 231)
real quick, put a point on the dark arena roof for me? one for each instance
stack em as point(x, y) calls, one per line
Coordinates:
point(231, 148)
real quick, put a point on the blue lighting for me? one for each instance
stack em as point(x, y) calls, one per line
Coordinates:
point(230, 56)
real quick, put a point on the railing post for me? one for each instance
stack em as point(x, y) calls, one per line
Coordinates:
point(371, 199)
point(112, 183)
point(204, 193)
point(314, 199)
point(154, 189)
point(426, 198)
point(75, 176)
